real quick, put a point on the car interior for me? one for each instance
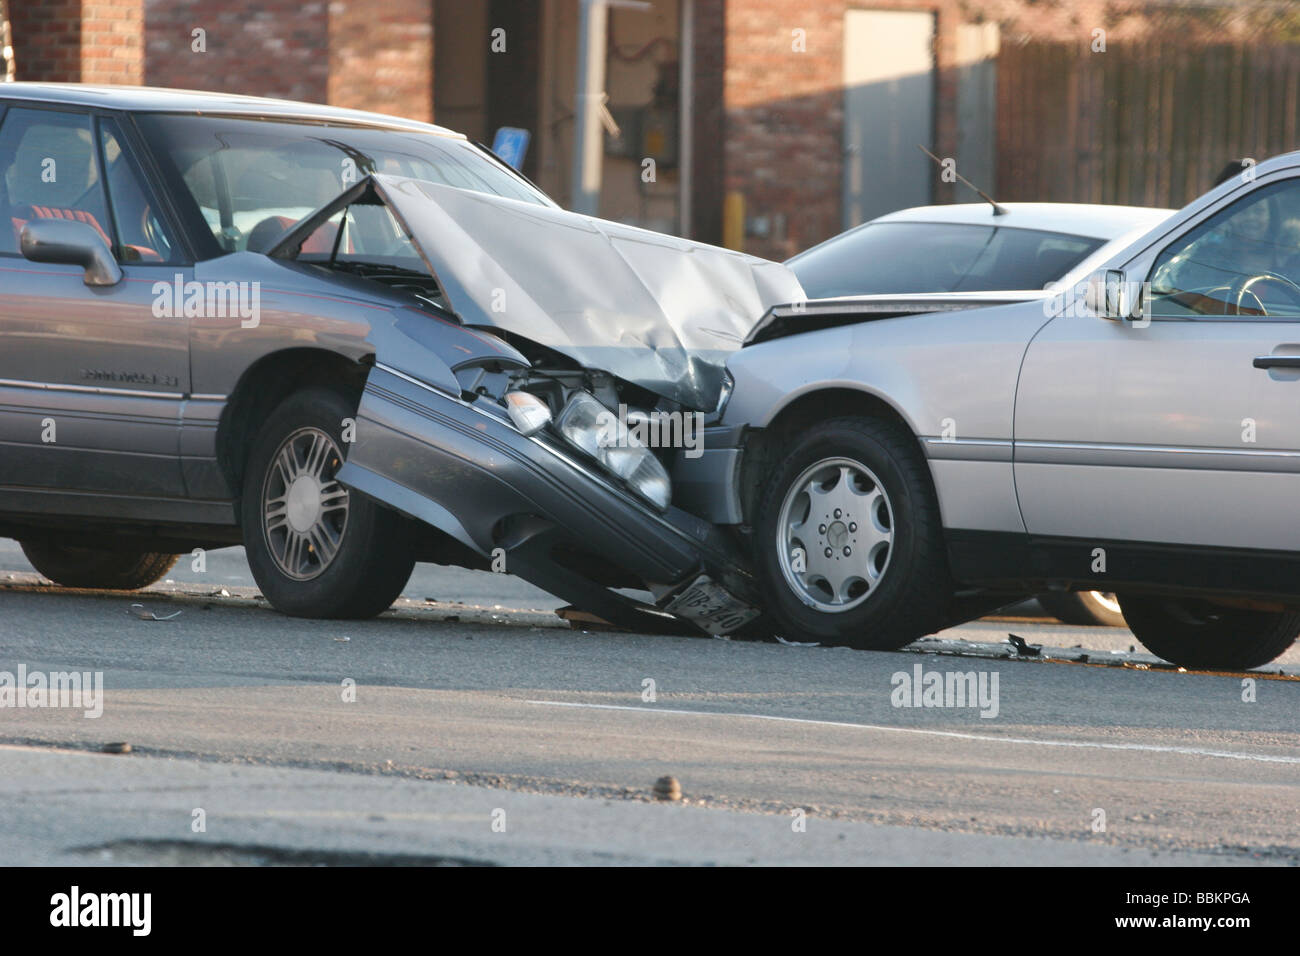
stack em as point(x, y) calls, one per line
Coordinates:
point(48, 170)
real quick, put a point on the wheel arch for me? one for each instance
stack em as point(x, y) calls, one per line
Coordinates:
point(268, 382)
point(763, 449)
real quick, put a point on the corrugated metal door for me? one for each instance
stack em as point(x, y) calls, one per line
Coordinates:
point(888, 110)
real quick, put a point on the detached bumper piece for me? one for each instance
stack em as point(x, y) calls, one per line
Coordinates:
point(561, 525)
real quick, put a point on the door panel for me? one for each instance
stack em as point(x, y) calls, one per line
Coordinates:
point(98, 367)
point(1143, 434)
point(1169, 432)
point(91, 379)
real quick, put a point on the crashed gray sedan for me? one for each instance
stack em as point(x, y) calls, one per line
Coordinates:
point(349, 342)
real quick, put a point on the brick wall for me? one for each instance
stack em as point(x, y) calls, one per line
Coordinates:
point(784, 118)
point(356, 53)
point(381, 56)
point(70, 41)
point(112, 41)
point(261, 47)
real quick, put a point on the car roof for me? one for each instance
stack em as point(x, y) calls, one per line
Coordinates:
point(1078, 219)
point(152, 99)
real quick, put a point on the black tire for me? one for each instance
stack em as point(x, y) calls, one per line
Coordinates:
point(1082, 608)
point(373, 557)
point(75, 567)
point(910, 597)
point(1199, 635)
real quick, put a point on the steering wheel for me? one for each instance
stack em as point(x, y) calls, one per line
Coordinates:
point(149, 229)
point(1247, 288)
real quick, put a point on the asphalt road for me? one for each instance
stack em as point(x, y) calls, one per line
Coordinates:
point(489, 731)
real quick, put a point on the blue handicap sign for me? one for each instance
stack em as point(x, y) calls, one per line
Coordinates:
point(511, 143)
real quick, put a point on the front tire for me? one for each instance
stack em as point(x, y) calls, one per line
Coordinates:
point(848, 540)
point(315, 548)
point(74, 567)
point(1203, 636)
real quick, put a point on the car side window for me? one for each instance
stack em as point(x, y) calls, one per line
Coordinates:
point(1244, 260)
point(48, 170)
point(140, 231)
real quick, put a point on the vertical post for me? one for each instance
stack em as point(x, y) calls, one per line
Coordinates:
point(686, 117)
point(588, 145)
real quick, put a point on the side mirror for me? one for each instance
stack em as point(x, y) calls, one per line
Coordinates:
point(72, 243)
point(1109, 294)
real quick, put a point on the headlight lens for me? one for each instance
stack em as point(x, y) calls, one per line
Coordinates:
point(528, 412)
point(591, 427)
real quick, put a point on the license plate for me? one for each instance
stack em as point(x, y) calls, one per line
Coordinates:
point(711, 608)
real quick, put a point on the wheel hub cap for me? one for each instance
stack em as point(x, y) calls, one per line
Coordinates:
point(304, 504)
point(304, 510)
point(835, 533)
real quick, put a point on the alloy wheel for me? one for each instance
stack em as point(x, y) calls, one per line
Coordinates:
point(835, 533)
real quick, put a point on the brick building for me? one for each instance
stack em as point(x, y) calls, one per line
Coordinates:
point(773, 123)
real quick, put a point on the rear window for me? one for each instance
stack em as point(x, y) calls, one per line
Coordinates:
point(894, 258)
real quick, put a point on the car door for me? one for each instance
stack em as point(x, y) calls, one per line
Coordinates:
point(1182, 427)
point(92, 379)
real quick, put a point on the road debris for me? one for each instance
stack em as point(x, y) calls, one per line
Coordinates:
point(1022, 648)
point(138, 610)
point(667, 788)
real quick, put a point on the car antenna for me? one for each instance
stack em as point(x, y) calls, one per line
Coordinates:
point(997, 210)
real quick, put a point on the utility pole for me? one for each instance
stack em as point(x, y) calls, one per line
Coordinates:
point(590, 114)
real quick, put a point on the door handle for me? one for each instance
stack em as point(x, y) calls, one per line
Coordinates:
point(1277, 361)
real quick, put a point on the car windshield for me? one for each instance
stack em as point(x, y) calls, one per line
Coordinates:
point(902, 257)
point(248, 181)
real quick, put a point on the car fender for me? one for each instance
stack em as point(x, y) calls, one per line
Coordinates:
point(951, 376)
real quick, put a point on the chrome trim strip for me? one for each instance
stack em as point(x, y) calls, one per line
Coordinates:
point(87, 389)
point(1178, 449)
point(1085, 454)
point(968, 449)
point(998, 442)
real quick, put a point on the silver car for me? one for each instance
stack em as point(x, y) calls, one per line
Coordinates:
point(981, 247)
point(900, 462)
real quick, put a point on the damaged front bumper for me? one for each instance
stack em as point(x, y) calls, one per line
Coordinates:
point(463, 468)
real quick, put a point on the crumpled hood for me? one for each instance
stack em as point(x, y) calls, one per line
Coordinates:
point(660, 312)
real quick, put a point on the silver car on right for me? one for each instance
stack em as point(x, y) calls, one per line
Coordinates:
point(896, 463)
point(981, 247)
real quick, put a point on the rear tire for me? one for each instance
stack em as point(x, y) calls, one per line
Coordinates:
point(1083, 608)
point(1199, 635)
point(852, 504)
point(315, 548)
point(74, 567)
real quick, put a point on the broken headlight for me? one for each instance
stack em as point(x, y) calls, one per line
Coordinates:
point(589, 426)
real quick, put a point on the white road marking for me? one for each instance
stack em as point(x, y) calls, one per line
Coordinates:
point(990, 738)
